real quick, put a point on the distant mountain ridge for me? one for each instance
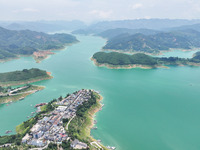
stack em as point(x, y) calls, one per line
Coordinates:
point(154, 24)
point(43, 26)
point(25, 42)
point(111, 33)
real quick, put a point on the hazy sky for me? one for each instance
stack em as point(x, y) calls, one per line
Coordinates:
point(90, 10)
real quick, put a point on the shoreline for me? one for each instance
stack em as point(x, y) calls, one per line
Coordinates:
point(91, 114)
point(126, 66)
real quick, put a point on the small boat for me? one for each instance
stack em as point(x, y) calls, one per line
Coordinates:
point(94, 128)
point(21, 98)
point(95, 122)
point(28, 116)
point(98, 140)
point(111, 147)
point(8, 131)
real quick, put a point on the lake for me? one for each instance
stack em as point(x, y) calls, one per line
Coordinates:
point(145, 109)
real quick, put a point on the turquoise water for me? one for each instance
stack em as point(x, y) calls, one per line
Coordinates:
point(179, 53)
point(156, 109)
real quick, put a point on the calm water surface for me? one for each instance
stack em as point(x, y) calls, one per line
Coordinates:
point(157, 109)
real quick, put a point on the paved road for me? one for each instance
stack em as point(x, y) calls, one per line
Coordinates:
point(69, 122)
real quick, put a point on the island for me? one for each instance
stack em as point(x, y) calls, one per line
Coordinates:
point(25, 42)
point(17, 78)
point(63, 122)
point(117, 60)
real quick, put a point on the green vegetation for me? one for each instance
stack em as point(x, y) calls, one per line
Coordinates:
point(4, 89)
point(49, 107)
point(25, 126)
point(52, 146)
point(120, 59)
point(25, 42)
point(26, 76)
point(66, 145)
point(11, 139)
point(186, 39)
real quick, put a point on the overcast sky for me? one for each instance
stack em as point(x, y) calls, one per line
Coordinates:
point(91, 10)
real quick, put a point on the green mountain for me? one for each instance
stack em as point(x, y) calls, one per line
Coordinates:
point(184, 39)
point(25, 42)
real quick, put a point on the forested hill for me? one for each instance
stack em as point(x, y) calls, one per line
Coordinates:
point(183, 39)
point(115, 59)
point(25, 42)
point(24, 75)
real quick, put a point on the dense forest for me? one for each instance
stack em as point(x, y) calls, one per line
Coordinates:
point(25, 42)
point(120, 59)
point(183, 39)
point(115, 58)
point(22, 75)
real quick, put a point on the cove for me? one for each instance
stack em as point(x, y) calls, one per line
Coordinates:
point(155, 109)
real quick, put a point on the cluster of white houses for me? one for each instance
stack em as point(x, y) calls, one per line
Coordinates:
point(50, 128)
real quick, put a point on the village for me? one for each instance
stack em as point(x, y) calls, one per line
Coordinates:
point(51, 128)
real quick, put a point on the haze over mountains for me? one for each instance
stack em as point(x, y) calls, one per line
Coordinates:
point(154, 24)
point(43, 26)
point(142, 35)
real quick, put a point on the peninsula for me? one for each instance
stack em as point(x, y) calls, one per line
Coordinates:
point(25, 42)
point(117, 60)
point(24, 77)
point(63, 122)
